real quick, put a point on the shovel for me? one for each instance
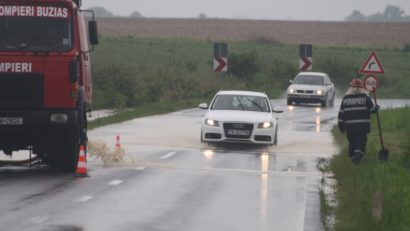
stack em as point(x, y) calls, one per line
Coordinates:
point(384, 152)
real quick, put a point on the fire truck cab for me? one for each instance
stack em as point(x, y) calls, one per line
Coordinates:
point(45, 78)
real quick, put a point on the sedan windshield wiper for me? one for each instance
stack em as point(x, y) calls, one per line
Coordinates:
point(240, 104)
point(257, 105)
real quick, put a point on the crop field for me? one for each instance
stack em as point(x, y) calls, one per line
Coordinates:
point(346, 34)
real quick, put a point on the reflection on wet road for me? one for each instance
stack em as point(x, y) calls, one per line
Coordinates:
point(171, 181)
point(310, 118)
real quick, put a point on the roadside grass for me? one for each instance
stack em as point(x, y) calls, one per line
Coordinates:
point(375, 195)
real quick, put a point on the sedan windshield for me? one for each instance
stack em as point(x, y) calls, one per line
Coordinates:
point(39, 29)
point(309, 80)
point(241, 103)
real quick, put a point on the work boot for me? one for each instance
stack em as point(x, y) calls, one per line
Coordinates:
point(357, 157)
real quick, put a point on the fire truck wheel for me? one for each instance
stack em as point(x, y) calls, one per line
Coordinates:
point(81, 109)
point(65, 152)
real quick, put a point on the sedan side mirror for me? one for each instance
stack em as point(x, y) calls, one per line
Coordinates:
point(290, 81)
point(203, 106)
point(277, 110)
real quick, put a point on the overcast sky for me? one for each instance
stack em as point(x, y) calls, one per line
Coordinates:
point(333, 10)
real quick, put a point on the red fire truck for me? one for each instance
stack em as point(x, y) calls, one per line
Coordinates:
point(45, 78)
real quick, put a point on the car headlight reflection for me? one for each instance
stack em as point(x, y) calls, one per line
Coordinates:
point(212, 122)
point(319, 92)
point(265, 125)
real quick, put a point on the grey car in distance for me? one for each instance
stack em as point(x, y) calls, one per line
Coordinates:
point(311, 87)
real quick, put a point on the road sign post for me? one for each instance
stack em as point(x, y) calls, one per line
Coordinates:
point(220, 57)
point(305, 57)
point(384, 152)
point(371, 83)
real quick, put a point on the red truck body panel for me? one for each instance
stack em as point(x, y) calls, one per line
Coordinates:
point(54, 65)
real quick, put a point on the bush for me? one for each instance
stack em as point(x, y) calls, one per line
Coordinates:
point(340, 71)
point(281, 72)
point(115, 86)
point(244, 65)
point(406, 48)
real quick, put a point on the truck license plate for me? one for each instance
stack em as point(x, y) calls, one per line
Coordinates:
point(11, 121)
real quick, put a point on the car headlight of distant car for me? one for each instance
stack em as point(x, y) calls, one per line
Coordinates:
point(319, 92)
point(265, 125)
point(291, 90)
point(211, 122)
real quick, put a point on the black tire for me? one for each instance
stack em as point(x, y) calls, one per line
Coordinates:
point(64, 154)
point(324, 103)
point(275, 140)
point(333, 98)
point(82, 120)
point(289, 102)
point(332, 101)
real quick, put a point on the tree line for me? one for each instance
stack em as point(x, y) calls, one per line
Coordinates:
point(104, 13)
point(390, 14)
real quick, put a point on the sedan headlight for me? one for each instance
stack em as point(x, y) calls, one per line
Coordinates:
point(291, 90)
point(211, 122)
point(319, 92)
point(265, 125)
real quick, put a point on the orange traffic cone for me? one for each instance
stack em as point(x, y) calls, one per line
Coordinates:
point(117, 143)
point(81, 164)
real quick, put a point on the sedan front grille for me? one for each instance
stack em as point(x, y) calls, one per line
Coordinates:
point(304, 91)
point(238, 130)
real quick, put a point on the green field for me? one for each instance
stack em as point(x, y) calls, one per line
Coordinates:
point(358, 186)
point(130, 72)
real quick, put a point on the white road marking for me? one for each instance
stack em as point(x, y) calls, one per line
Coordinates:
point(140, 168)
point(250, 171)
point(116, 182)
point(168, 155)
point(84, 198)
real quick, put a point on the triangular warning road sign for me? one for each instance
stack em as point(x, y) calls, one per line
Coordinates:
point(372, 65)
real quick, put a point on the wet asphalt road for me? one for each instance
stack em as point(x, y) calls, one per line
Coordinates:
point(170, 181)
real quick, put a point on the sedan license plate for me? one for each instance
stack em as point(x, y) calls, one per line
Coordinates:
point(11, 121)
point(304, 96)
point(238, 132)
